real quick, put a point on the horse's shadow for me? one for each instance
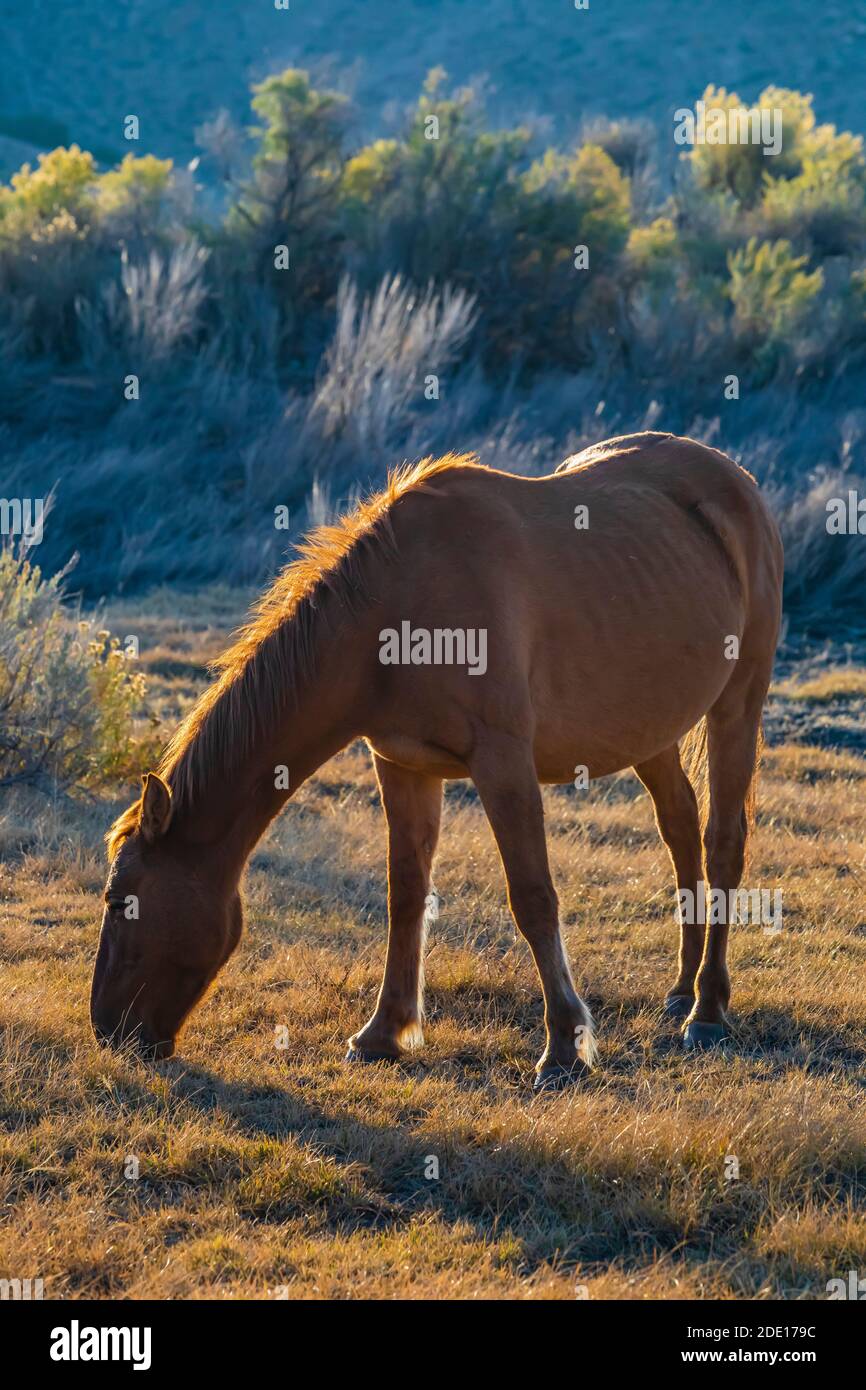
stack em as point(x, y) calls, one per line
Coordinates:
point(493, 1187)
point(763, 1034)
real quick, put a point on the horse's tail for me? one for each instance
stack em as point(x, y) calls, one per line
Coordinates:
point(693, 755)
point(751, 804)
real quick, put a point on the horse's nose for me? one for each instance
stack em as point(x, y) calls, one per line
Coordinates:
point(152, 1049)
point(133, 1036)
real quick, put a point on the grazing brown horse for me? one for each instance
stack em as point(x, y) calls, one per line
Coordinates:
point(469, 623)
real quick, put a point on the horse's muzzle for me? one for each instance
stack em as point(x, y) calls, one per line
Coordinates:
point(149, 1049)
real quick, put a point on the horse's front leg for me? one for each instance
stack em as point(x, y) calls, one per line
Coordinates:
point(413, 806)
point(504, 773)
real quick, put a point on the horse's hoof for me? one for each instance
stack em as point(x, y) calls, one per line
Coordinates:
point(678, 1005)
point(698, 1037)
point(556, 1077)
point(360, 1055)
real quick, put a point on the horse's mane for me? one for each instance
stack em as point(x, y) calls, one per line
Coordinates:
point(260, 673)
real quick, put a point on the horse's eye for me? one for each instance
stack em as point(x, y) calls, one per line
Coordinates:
point(115, 904)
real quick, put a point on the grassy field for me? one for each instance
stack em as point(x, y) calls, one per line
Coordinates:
point(264, 1170)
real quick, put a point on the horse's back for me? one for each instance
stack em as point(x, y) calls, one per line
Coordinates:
point(608, 591)
point(619, 446)
point(704, 484)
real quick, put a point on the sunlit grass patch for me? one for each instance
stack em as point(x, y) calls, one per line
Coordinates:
point(839, 683)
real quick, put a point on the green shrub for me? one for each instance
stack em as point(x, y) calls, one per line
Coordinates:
point(67, 694)
point(582, 196)
point(450, 202)
point(773, 296)
point(824, 205)
point(742, 168)
point(62, 227)
point(442, 203)
point(571, 201)
point(653, 251)
point(629, 143)
point(813, 192)
point(652, 277)
point(61, 187)
point(66, 192)
point(292, 197)
point(97, 267)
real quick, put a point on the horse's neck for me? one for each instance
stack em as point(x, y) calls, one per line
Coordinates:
point(234, 805)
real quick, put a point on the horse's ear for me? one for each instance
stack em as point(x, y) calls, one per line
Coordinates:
point(155, 807)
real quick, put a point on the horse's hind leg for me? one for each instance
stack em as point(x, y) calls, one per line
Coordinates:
point(413, 805)
point(678, 822)
point(504, 773)
point(733, 728)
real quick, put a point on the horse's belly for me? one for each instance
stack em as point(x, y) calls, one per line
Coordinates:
point(620, 714)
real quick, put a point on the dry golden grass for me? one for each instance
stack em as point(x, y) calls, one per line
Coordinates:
point(839, 683)
point(263, 1170)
